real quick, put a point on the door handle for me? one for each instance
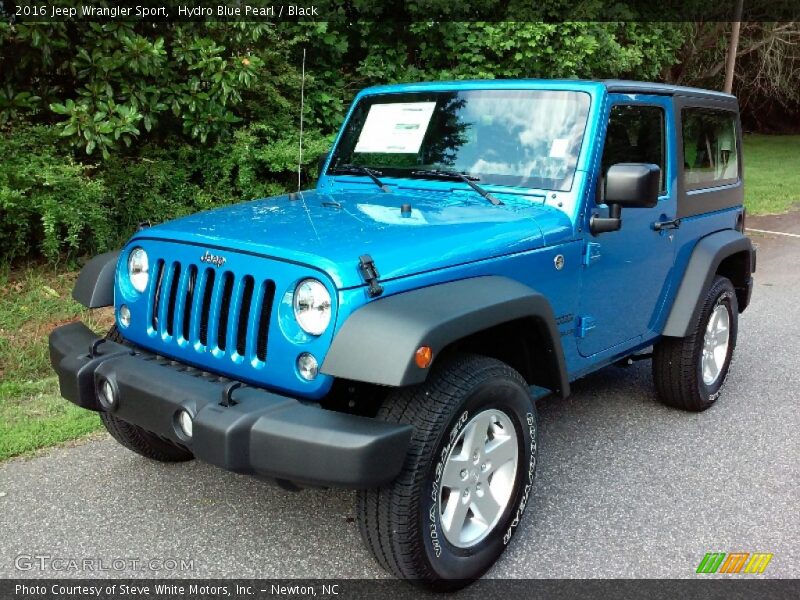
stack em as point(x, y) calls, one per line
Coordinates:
point(661, 225)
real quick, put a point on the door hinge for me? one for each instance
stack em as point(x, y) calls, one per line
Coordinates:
point(585, 325)
point(370, 274)
point(591, 253)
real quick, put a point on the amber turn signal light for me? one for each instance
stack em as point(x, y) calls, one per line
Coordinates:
point(423, 357)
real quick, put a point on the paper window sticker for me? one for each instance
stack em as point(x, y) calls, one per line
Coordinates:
point(559, 148)
point(396, 128)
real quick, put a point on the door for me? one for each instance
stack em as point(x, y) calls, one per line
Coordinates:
point(626, 271)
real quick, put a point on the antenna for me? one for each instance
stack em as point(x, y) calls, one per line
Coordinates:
point(302, 104)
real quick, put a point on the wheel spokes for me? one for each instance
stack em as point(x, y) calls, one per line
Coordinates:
point(485, 507)
point(711, 368)
point(475, 435)
point(453, 475)
point(498, 452)
point(455, 515)
point(477, 478)
point(715, 344)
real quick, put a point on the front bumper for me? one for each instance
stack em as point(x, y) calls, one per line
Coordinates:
point(257, 432)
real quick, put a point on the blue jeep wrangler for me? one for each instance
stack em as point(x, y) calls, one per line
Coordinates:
point(469, 247)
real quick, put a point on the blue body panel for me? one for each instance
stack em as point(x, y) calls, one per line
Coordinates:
point(611, 298)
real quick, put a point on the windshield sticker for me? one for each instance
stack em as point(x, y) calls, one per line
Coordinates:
point(559, 148)
point(396, 128)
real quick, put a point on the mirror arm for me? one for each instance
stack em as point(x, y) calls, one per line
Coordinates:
point(612, 222)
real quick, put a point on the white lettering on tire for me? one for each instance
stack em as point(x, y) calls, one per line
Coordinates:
point(437, 476)
point(529, 484)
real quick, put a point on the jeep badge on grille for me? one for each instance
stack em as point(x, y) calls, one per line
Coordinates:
point(214, 259)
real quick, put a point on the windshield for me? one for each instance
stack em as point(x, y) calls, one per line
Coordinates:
point(521, 138)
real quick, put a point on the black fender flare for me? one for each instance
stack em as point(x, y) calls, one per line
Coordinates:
point(376, 344)
point(94, 287)
point(703, 264)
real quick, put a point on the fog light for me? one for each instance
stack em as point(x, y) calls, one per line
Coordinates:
point(106, 394)
point(124, 316)
point(307, 366)
point(185, 423)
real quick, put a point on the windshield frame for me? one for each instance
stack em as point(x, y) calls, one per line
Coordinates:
point(416, 93)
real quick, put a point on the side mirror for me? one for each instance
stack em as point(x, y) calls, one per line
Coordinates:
point(321, 162)
point(633, 185)
point(628, 185)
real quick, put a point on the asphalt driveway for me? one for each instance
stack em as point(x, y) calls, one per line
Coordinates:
point(626, 487)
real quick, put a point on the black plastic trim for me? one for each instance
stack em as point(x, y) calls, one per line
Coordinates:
point(706, 257)
point(95, 285)
point(378, 341)
point(618, 86)
point(257, 432)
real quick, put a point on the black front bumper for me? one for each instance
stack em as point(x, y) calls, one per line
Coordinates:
point(256, 432)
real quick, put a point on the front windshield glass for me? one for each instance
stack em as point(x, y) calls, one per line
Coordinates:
point(522, 138)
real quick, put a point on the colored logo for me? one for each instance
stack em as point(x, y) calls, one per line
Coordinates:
point(735, 562)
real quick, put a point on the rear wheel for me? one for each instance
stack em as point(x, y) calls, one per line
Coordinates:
point(689, 372)
point(137, 439)
point(467, 477)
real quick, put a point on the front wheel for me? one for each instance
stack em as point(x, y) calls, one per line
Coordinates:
point(134, 437)
point(467, 477)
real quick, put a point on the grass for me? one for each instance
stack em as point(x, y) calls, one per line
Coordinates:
point(771, 173)
point(34, 300)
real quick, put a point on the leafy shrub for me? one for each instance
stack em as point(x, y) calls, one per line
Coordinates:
point(112, 81)
point(56, 207)
point(167, 182)
point(49, 204)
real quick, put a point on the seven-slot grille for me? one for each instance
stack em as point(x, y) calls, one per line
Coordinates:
point(207, 308)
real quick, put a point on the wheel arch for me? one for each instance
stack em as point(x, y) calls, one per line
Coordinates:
point(488, 315)
point(728, 253)
point(94, 287)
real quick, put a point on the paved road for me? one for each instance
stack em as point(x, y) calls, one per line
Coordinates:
point(626, 487)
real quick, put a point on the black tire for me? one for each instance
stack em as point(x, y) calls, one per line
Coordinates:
point(400, 522)
point(137, 439)
point(677, 362)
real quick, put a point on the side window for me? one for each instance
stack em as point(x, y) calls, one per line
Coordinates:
point(709, 147)
point(635, 135)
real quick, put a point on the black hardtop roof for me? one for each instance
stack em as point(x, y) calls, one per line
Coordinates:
point(642, 87)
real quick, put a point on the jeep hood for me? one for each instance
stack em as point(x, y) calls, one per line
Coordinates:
point(331, 231)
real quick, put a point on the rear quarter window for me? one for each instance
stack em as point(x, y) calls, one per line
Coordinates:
point(710, 150)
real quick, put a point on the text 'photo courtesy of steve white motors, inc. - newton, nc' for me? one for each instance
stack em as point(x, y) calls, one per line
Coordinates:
point(147, 589)
point(44, 11)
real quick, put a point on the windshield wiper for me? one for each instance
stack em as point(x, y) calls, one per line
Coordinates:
point(359, 170)
point(468, 179)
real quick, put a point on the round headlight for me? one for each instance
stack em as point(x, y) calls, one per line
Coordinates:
point(138, 269)
point(312, 306)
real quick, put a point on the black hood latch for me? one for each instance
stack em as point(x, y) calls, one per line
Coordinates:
point(370, 274)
